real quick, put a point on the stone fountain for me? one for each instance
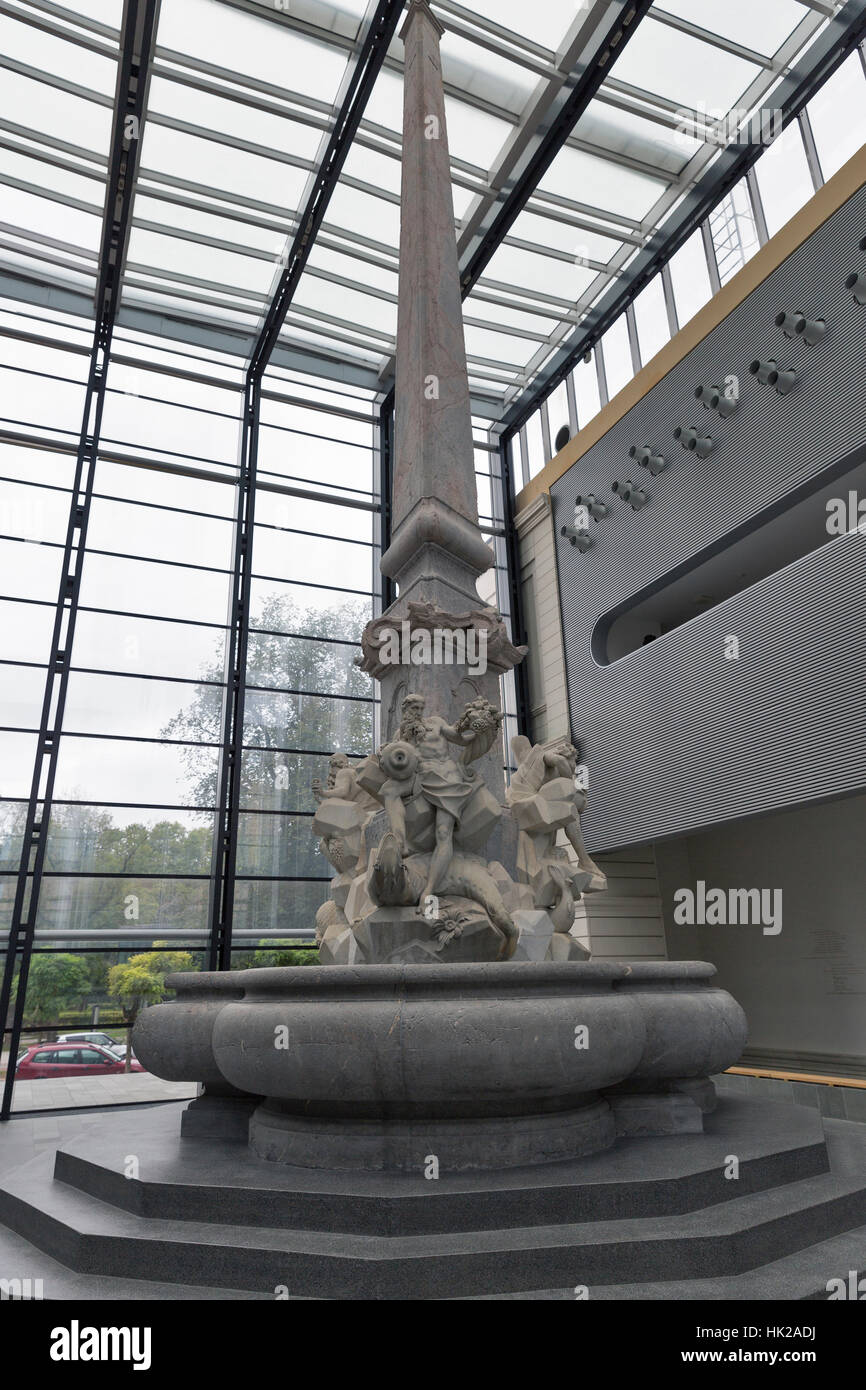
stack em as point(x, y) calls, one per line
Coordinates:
point(454, 1015)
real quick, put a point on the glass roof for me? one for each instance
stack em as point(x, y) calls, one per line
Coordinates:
point(243, 96)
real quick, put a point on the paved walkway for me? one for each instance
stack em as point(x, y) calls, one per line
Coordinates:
point(120, 1088)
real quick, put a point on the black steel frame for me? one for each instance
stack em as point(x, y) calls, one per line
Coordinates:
point(386, 462)
point(138, 37)
point(512, 554)
point(231, 758)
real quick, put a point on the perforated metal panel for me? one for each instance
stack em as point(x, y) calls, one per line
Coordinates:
point(675, 736)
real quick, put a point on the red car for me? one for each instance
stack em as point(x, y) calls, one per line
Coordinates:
point(69, 1059)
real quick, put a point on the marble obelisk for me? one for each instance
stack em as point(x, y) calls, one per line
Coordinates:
point(437, 553)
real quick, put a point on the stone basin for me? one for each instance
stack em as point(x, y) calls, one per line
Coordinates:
point(480, 1065)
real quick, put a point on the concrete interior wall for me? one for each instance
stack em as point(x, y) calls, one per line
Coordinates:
point(625, 922)
point(803, 990)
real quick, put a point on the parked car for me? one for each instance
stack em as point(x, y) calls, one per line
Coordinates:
point(101, 1040)
point(69, 1059)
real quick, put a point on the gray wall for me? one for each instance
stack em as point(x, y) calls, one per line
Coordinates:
point(676, 737)
point(804, 991)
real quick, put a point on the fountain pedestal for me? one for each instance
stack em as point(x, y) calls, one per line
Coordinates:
point(473, 1066)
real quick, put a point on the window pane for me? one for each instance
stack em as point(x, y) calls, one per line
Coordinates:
point(313, 558)
point(137, 586)
point(146, 645)
point(101, 904)
point(271, 846)
point(26, 629)
point(691, 278)
point(652, 319)
point(22, 691)
point(586, 392)
point(110, 840)
point(557, 413)
point(154, 774)
point(288, 906)
point(783, 178)
point(33, 513)
point(155, 534)
point(281, 781)
point(534, 445)
point(838, 115)
point(735, 234)
point(17, 752)
point(305, 664)
point(617, 356)
point(124, 705)
point(274, 720)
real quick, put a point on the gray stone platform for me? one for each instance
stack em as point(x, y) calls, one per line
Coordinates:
point(634, 1222)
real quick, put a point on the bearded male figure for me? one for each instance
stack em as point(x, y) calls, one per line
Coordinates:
point(446, 784)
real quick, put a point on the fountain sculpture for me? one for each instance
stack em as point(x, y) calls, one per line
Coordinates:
point(454, 1012)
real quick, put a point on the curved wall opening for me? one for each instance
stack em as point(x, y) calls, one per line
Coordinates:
point(784, 538)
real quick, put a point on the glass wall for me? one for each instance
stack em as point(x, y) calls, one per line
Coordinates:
point(127, 890)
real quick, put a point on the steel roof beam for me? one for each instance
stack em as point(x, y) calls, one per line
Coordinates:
point(532, 149)
point(366, 69)
point(839, 38)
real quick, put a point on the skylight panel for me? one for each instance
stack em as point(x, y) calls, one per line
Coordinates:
point(361, 212)
point(372, 167)
point(681, 68)
point(545, 22)
point(625, 133)
point(470, 65)
point(30, 169)
point(106, 11)
point(357, 308)
point(42, 214)
point(198, 259)
point(27, 44)
point(474, 136)
point(563, 235)
point(45, 108)
point(385, 104)
point(241, 120)
point(351, 267)
point(221, 166)
point(527, 270)
point(762, 25)
point(539, 325)
point(599, 183)
point(259, 47)
point(176, 215)
point(498, 347)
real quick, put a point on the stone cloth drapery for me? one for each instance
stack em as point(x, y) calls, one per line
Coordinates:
point(446, 784)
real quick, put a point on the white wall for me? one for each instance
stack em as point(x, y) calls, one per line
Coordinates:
point(804, 991)
point(625, 923)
